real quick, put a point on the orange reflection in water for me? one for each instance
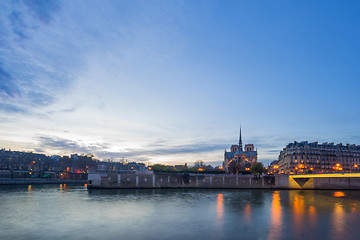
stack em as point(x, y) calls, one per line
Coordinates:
point(312, 215)
point(247, 212)
point(339, 194)
point(353, 210)
point(299, 205)
point(220, 208)
point(219, 216)
point(299, 212)
point(276, 217)
point(353, 207)
point(64, 187)
point(339, 221)
point(29, 188)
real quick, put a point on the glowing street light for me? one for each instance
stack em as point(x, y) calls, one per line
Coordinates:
point(337, 167)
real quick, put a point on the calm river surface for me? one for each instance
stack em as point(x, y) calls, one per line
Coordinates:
point(73, 212)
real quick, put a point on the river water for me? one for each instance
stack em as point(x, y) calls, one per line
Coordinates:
point(73, 212)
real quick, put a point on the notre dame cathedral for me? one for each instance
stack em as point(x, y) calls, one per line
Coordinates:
point(239, 159)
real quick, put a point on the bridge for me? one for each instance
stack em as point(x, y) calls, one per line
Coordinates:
point(323, 181)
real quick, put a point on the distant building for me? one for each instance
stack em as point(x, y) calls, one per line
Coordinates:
point(39, 163)
point(180, 167)
point(273, 167)
point(238, 159)
point(135, 166)
point(305, 157)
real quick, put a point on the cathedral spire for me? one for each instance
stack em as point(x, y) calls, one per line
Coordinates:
point(240, 141)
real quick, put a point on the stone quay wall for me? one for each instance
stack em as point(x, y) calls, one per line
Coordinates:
point(34, 181)
point(176, 180)
point(149, 179)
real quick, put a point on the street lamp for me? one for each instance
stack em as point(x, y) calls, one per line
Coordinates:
point(337, 167)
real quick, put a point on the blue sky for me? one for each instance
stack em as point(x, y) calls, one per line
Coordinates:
point(171, 81)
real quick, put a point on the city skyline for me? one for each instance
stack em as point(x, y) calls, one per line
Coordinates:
point(170, 82)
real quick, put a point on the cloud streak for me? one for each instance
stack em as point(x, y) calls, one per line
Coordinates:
point(30, 73)
point(103, 151)
point(155, 150)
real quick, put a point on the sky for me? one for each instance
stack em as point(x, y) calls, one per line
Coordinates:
point(172, 81)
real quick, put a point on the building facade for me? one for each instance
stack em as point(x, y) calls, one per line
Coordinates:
point(305, 157)
point(239, 159)
point(273, 167)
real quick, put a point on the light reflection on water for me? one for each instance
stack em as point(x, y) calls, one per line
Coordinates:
point(220, 208)
point(339, 221)
point(247, 212)
point(276, 217)
point(298, 204)
point(312, 216)
point(339, 194)
point(73, 212)
point(219, 215)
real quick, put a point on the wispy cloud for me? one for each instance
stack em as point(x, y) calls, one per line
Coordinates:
point(7, 120)
point(102, 150)
point(70, 146)
point(43, 10)
point(30, 74)
point(11, 108)
point(64, 110)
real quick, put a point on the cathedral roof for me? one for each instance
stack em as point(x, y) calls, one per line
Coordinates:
point(229, 154)
point(239, 151)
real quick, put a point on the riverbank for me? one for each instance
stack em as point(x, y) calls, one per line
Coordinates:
point(149, 179)
point(26, 181)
